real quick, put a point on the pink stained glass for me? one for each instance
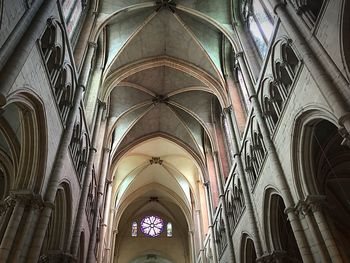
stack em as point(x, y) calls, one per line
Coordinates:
point(152, 226)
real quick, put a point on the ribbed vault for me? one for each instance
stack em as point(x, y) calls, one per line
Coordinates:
point(163, 82)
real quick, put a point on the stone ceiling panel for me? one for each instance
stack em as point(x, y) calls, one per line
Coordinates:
point(163, 80)
point(165, 35)
point(123, 98)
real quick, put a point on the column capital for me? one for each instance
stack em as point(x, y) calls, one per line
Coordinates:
point(277, 4)
point(311, 204)
point(227, 110)
point(275, 256)
point(239, 54)
point(345, 135)
point(102, 104)
point(83, 88)
point(92, 44)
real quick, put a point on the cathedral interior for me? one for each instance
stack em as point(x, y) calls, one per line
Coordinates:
point(174, 131)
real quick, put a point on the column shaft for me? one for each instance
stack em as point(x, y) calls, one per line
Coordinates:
point(100, 193)
point(210, 219)
point(105, 221)
point(11, 230)
point(86, 183)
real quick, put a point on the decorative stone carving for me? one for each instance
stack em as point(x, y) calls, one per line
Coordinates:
point(169, 4)
point(275, 256)
point(345, 135)
point(311, 204)
point(156, 160)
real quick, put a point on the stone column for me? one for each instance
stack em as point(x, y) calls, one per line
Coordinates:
point(18, 203)
point(191, 257)
point(336, 91)
point(111, 255)
point(315, 204)
point(304, 211)
point(35, 205)
point(281, 180)
point(100, 193)
point(210, 219)
point(22, 38)
point(87, 180)
point(245, 188)
point(105, 221)
point(200, 231)
point(56, 172)
point(223, 202)
point(81, 47)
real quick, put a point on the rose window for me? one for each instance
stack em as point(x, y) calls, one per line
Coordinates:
point(152, 226)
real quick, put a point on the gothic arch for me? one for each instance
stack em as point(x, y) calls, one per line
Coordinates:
point(60, 222)
point(115, 77)
point(322, 164)
point(301, 140)
point(6, 174)
point(30, 130)
point(121, 152)
point(248, 253)
point(52, 46)
point(81, 251)
point(279, 235)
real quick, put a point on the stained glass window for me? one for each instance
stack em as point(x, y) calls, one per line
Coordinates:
point(134, 229)
point(152, 226)
point(169, 230)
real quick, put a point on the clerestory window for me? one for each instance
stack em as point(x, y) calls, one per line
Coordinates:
point(258, 23)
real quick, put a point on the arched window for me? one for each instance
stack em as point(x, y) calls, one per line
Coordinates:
point(258, 23)
point(169, 230)
point(330, 171)
point(282, 234)
point(249, 254)
point(134, 229)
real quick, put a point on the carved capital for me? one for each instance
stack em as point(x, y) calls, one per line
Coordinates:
point(345, 135)
point(238, 54)
point(92, 44)
point(315, 202)
point(169, 4)
point(312, 204)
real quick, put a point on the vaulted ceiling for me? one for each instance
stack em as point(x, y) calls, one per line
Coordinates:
point(163, 79)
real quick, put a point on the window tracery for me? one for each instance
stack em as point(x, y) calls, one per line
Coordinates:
point(152, 226)
point(134, 229)
point(276, 89)
point(60, 73)
point(79, 146)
